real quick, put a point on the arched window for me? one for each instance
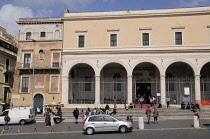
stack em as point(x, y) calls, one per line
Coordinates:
point(117, 83)
point(57, 35)
point(41, 54)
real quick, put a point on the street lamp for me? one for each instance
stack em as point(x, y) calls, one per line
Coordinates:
point(32, 93)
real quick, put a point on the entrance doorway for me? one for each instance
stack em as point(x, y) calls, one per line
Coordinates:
point(38, 102)
point(144, 89)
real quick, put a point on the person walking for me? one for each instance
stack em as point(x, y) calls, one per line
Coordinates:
point(168, 102)
point(47, 118)
point(155, 115)
point(142, 101)
point(82, 115)
point(148, 114)
point(6, 120)
point(76, 115)
point(115, 103)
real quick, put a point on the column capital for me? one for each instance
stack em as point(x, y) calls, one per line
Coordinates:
point(128, 76)
point(198, 76)
point(162, 76)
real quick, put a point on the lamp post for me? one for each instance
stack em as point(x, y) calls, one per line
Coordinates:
point(32, 93)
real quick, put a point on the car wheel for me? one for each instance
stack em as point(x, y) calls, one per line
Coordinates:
point(123, 129)
point(22, 122)
point(89, 131)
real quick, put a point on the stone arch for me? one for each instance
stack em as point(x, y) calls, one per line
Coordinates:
point(114, 61)
point(160, 69)
point(113, 82)
point(81, 79)
point(182, 61)
point(201, 65)
point(68, 69)
point(39, 100)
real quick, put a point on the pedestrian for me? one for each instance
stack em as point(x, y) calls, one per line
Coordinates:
point(47, 118)
point(115, 103)
point(141, 101)
point(58, 108)
point(107, 109)
point(38, 109)
point(76, 115)
point(168, 102)
point(148, 114)
point(155, 115)
point(6, 121)
point(82, 115)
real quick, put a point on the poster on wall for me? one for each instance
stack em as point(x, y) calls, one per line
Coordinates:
point(187, 91)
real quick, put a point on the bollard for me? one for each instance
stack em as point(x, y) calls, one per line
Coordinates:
point(18, 131)
point(69, 129)
point(35, 130)
point(141, 123)
point(196, 122)
point(2, 132)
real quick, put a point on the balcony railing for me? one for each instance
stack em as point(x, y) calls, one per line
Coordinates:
point(52, 65)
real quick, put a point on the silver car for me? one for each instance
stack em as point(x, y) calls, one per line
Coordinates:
point(102, 123)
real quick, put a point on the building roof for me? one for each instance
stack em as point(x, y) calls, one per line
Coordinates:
point(137, 13)
point(39, 21)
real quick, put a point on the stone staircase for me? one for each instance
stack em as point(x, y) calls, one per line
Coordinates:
point(170, 113)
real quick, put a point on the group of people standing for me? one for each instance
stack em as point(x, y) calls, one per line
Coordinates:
point(83, 114)
point(149, 113)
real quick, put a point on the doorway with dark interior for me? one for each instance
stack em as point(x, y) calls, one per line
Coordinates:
point(144, 89)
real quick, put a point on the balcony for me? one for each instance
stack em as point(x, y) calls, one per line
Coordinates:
point(53, 67)
point(8, 69)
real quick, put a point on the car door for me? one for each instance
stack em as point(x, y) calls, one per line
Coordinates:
point(97, 122)
point(110, 124)
point(2, 117)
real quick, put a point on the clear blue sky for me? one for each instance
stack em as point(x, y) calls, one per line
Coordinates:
point(12, 10)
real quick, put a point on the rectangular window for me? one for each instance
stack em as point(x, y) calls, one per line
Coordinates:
point(145, 39)
point(6, 78)
point(28, 35)
point(7, 64)
point(88, 83)
point(27, 60)
point(81, 41)
point(113, 39)
point(56, 58)
point(25, 82)
point(178, 38)
point(42, 34)
point(54, 84)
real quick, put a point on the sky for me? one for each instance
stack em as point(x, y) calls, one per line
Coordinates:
point(12, 10)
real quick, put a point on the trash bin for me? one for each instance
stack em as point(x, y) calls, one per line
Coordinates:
point(129, 118)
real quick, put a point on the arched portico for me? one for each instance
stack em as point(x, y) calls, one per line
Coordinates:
point(113, 83)
point(146, 82)
point(180, 83)
point(205, 82)
point(81, 84)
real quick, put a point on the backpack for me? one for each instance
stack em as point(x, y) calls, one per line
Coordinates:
point(6, 118)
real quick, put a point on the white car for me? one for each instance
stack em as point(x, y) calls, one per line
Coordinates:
point(19, 115)
point(102, 123)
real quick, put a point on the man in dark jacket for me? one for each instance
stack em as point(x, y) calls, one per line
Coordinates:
point(76, 115)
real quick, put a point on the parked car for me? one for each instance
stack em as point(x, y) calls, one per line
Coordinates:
point(102, 123)
point(19, 115)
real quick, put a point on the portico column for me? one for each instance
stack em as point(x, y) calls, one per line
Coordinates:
point(97, 90)
point(65, 90)
point(163, 89)
point(129, 80)
point(197, 89)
